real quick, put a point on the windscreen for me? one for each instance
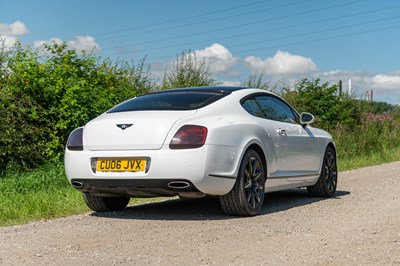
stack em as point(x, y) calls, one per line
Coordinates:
point(169, 101)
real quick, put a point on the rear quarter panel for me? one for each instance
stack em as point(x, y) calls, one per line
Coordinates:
point(229, 125)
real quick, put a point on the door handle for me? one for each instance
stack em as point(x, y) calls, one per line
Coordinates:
point(281, 132)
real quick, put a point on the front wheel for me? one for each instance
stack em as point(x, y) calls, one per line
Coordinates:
point(247, 196)
point(327, 181)
point(105, 204)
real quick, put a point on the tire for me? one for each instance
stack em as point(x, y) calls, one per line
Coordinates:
point(247, 195)
point(105, 204)
point(327, 181)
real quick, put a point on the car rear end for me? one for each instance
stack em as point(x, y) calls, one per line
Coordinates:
point(153, 150)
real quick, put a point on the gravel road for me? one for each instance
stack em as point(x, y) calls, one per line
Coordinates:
point(361, 225)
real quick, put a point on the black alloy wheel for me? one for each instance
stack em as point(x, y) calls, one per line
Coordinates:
point(327, 182)
point(253, 190)
point(247, 196)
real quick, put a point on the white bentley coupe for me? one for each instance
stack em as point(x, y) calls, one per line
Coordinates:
point(232, 142)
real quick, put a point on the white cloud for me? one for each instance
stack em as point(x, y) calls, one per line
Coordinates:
point(84, 43)
point(39, 44)
point(78, 43)
point(17, 28)
point(386, 86)
point(7, 41)
point(9, 31)
point(282, 63)
point(385, 81)
point(220, 58)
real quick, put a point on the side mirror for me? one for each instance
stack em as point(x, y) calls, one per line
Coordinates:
point(306, 118)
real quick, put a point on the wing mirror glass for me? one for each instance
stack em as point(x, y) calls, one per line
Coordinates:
point(306, 118)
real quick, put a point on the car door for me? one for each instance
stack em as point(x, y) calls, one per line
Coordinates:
point(297, 144)
point(271, 139)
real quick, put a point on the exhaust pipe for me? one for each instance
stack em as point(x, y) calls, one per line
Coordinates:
point(77, 184)
point(178, 185)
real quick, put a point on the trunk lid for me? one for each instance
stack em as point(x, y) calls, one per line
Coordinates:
point(144, 130)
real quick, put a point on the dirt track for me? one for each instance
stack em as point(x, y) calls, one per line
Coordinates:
point(359, 226)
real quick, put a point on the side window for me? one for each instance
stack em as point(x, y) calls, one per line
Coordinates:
point(252, 107)
point(277, 110)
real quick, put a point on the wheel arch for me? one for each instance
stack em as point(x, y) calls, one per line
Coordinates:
point(266, 151)
point(326, 183)
point(333, 146)
point(261, 153)
point(330, 144)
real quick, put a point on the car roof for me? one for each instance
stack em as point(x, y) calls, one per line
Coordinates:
point(219, 89)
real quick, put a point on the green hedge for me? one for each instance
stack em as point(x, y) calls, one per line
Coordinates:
point(44, 97)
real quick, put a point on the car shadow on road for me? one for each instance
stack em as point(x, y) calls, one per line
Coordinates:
point(210, 209)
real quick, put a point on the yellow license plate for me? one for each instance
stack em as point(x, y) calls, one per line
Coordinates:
point(121, 165)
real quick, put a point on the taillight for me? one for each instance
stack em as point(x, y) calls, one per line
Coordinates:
point(189, 137)
point(75, 140)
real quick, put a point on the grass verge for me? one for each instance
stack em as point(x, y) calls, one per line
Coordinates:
point(41, 194)
point(362, 160)
point(45, 192)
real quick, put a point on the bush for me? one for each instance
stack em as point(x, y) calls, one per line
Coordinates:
point(358, 127)
point(188, 72)
point(23, 131)
point(376, 133)
point(323, 101)
point(44, 97)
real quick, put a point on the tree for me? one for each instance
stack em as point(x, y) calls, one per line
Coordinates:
point(256, 80)
point(187, 71)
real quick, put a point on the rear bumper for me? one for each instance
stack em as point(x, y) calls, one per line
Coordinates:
point(211, 169)
point(134, 187)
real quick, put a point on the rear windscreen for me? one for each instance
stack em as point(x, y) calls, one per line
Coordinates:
point(169, 101)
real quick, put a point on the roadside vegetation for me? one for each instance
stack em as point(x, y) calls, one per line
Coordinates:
point(43, 97)
point(363, 130)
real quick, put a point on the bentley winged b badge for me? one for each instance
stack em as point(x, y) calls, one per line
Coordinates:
point(124, 126)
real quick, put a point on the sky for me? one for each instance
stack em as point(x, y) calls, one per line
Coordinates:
point(285, 40)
